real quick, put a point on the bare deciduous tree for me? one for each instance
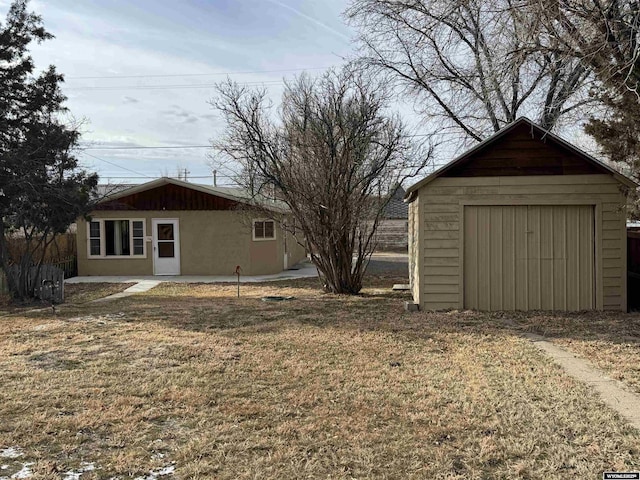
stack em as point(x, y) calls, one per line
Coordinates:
point(604, 35)
point(332, 153)
point(473, 63)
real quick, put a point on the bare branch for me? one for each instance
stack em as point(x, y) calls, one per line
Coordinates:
point(332, 154)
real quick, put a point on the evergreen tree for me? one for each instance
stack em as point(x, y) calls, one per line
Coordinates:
point(42, 190)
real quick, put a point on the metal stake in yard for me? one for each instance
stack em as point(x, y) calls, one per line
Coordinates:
point(238, 274)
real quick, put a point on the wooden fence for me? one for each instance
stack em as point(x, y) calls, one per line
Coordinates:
point(60, 254)
point(62, 247)
point(68, 265)
point(46, 281)
point(56, 272)
point(633, 268)
point(4, 287)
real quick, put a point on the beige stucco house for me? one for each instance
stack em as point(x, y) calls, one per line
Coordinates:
point(523, 221)
point(172, 227)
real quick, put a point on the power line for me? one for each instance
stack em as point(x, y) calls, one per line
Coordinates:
point(147, 147)
point(116, 165)
point(170, 176)
point(185, 86)
point(172, 75)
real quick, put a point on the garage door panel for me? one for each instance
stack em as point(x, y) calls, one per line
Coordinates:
point(483, 272)
point(496, 257)
point(508, 258)
point(559, 259)
point(547, 286)
point(533, 257)
point(529, 257)
point(521, 266)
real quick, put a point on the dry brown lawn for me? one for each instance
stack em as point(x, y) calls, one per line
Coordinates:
point(190, 377)
point(87, 292)
point(610, 340)
point(75, 293)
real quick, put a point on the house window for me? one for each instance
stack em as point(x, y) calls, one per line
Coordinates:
point(264, 230)
point(138, 237)
point(116, 238)
point(94, 238)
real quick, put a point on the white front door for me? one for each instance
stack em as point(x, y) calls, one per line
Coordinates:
point(166, 246)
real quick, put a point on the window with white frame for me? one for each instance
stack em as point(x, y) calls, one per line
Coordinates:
point(116, 238)
point(264, 230)
point(94, 238)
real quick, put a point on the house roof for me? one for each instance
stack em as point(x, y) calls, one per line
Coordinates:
point(108, 189)
point(230, 193)
point(396, 208)
point(411, 191)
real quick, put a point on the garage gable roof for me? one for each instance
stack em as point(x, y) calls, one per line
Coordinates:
point(501, 134)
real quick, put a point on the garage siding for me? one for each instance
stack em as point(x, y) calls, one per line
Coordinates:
point(529, 257)
point(441, 207)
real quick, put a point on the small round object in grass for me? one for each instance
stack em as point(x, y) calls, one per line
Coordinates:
point(276, 298)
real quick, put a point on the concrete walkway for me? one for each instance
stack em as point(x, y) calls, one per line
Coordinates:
point(146, 283)
point(626, 403)
point(141, 286)
point(301, 270)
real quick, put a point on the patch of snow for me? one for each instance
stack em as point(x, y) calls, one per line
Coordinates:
point(44, 326)
point(11, 452)
point(100, 318)
point(84, 467)
point(25, 471)
point(168, 470)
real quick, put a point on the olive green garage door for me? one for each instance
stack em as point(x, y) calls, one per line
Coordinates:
point(529, 257)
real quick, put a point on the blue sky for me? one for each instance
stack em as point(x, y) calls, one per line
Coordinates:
point(140, 72)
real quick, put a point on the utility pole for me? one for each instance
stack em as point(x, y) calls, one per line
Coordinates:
point(215, 180)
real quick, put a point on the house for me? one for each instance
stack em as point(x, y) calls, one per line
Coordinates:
point(522, 221)
point(393, 231)
point(172, 227)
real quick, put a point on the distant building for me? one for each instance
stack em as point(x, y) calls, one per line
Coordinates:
point(172, 227)
point(393, 229)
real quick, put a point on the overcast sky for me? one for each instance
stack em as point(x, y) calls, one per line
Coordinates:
point(140, 72)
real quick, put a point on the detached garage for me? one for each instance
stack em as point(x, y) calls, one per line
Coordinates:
point(523, 221)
